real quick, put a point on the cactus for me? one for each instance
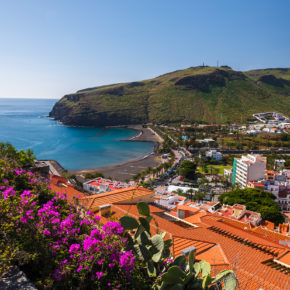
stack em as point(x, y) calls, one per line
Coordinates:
point(153, 252)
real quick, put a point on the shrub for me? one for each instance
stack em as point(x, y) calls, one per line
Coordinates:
point(55, 243)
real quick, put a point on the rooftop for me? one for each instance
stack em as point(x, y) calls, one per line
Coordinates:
point(93, 202)
point(225, 246)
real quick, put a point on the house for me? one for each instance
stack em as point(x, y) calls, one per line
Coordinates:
point(169, 200)
point(101, 185)
point(214, 155)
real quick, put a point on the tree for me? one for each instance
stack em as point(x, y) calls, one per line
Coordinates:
point(187, 169)
point(255, 200)
point(190, 192)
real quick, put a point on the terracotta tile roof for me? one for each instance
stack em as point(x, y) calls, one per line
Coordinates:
point(180, 244)
point(215, 256)
point(285, 259)
point(127, 194)
point(244, 250)
point(195, 219)
point(69, 191)
point(55, 179)
point(188, 208)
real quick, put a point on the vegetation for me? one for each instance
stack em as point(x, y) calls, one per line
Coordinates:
point(165, 273)
point(195, 94)
point(187, 169)
point(251, 142)
point(93, 175)
point(59, 246)
point(213, 169)
point(18, 158)
point(255, 200)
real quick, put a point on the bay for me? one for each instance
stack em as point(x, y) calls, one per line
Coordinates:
point(24, 123)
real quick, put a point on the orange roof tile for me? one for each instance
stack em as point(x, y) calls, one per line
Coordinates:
point(284, 259)
point(188, 208)
point(245, 250)
point(180, 244)
point(126, 194)
point(215, 256)
point(195, 219)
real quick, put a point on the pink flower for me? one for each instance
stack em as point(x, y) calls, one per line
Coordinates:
point(79, 268)
point(46, 232)
point(89, 243)
point(74, 248)
point(8, 192)
point(99, 274)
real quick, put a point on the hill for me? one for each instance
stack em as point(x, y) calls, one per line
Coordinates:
point(203, 93)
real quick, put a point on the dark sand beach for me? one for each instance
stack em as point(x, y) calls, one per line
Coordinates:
point(127, 170)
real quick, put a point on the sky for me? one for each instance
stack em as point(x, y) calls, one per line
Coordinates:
point(52, 48)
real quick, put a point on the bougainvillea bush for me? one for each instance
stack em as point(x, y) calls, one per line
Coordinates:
point(55, 243)
point(60, 246)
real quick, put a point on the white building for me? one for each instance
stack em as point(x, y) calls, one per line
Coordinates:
point(168, 200)
point(248, 168)
point(214, 154)
point(101, 185)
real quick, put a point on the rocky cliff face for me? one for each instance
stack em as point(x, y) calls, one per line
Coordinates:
point(198, 93)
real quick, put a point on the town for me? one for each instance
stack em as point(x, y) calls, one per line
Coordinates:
point(208, 194)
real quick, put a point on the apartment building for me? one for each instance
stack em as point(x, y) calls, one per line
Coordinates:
point(248, 168)
point(214, 154)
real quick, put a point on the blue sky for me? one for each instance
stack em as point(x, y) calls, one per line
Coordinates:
point(51, 48)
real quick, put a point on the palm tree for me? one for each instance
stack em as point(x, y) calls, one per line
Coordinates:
point(190, 191)
point(179, 191)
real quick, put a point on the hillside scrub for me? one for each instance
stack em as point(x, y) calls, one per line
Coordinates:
point(208, 94)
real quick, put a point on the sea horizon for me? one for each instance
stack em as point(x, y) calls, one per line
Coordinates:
point(25, 124)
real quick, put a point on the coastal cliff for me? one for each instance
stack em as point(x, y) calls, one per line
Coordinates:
point(197, 94)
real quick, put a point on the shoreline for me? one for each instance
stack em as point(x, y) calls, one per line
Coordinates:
point(128, 169)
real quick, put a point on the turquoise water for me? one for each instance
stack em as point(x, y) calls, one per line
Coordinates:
point(24, 124)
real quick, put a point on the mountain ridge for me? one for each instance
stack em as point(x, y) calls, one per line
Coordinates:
point(200, 93)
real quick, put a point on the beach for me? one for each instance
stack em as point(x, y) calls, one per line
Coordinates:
point(126, 171)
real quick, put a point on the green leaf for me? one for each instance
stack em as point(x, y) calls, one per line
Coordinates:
point(168, 243)
point(177, 287)
point(143, 208)
point(157, 256)
point(128, 222)
point(174, 275)
point(205, 268)
point(197, 269)
point(153, 250)
point(149, 218)
point(206, 281)
point(163, 235)
point(158, 242)
point(228, 278)
point(180, 261)
point(142, 252)
point(139, 231)
point(145, 224)
point(191, 261)
point(151, 269)
point(144, 237)
point(189, 276)
point(166, 253)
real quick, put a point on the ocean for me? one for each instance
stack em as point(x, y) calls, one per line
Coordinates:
point(24, 123)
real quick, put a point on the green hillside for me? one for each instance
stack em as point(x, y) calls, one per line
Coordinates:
point(197, 93)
